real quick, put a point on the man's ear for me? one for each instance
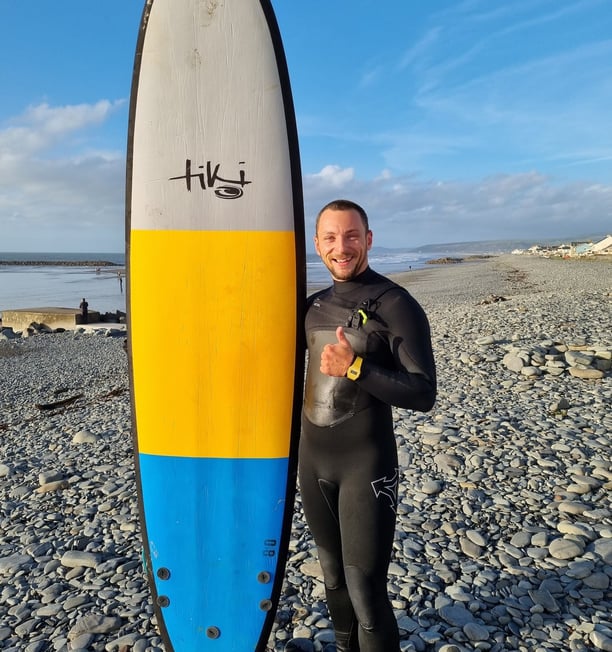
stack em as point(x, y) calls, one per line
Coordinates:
point(316, 244)
point(369, 240)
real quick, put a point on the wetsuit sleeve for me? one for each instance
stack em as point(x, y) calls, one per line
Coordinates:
point(411, 382)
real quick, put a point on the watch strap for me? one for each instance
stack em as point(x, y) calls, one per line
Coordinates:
point(354, 371)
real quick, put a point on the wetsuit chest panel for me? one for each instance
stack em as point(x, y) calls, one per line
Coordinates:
point(329, 400)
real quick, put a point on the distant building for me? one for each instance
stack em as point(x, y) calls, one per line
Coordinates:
point(581, 248)
point(603, 246)
point(571, 250)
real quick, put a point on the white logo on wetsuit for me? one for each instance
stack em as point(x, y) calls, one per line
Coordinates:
point(387, 487)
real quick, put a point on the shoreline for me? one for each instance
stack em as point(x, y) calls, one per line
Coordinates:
point(407, 276)
point(59, 263)
point(506, 273)
point(504, 530)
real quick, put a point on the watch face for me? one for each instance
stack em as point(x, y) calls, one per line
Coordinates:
point(354, 371)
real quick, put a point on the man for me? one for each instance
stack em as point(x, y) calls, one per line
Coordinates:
point(84, 314)
point(369, 348)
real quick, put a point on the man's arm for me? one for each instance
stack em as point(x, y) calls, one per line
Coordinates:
point(411, 383)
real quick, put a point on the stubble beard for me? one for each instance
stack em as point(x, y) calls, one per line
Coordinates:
point(348, 274)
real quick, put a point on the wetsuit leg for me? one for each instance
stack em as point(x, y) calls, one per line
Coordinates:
point(320, 502)
point(348, 480)
point(366, 559)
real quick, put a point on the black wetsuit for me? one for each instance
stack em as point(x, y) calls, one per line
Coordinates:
point(348, 456)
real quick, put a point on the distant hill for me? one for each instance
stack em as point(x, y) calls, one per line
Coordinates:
point(480, 247)
point(498, 246)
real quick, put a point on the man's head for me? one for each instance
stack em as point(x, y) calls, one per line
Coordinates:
point(343, 239)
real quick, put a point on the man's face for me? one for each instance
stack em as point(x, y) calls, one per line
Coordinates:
point(343, 243)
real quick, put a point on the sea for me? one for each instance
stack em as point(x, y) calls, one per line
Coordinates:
point(42, 279)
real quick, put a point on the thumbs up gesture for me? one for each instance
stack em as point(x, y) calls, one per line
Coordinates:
point(337, 358)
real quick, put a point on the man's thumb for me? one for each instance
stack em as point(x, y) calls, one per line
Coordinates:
point(342, 337)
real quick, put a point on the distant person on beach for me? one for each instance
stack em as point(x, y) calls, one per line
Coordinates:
point(369, 348)
point(83, 306)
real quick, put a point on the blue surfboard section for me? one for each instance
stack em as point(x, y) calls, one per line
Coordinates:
point(227, 571)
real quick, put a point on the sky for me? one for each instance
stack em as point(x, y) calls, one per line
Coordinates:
point(448, 120)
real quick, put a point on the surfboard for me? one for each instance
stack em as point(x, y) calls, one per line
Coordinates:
point(216, 289)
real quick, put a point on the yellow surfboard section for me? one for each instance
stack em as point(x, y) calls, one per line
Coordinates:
point(224, 304)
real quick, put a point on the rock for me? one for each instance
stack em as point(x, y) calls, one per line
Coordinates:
point(586, 373)
point(487, 340)
point(300, 645)
point(560, 405)
point(476, 538)
point(572, 507)
point(456, 615)
point(564, 548)
point(574, 358)
point(513, 362)
point(14, 563)
point(58, 485)
point(432, 487)
point(599, 581)
point(531, 372)
point(448, 463)
point(78, 558)
point(601, 641)
point(85, 437)
point(544, 598)
point(46, 477)
point(601, 547)
point(475, 632)
point(94, 624)
point(577, 529)
point(312, 569)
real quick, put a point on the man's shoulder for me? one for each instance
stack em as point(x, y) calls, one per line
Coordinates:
point(384, 285)
point(316, 295)
point(392, 296)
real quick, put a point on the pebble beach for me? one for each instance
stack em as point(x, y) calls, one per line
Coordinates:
point(504, 530)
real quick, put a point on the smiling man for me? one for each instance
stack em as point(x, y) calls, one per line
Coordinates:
point(343, 239)
point(369, 348)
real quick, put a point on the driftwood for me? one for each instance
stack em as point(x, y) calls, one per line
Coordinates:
point(56, 404)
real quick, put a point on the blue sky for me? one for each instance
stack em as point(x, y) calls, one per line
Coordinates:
point(448, 120)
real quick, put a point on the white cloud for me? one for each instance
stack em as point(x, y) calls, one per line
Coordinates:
point(39, 127)
point(408, 211)
point(333, 176)
point(57, 191)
